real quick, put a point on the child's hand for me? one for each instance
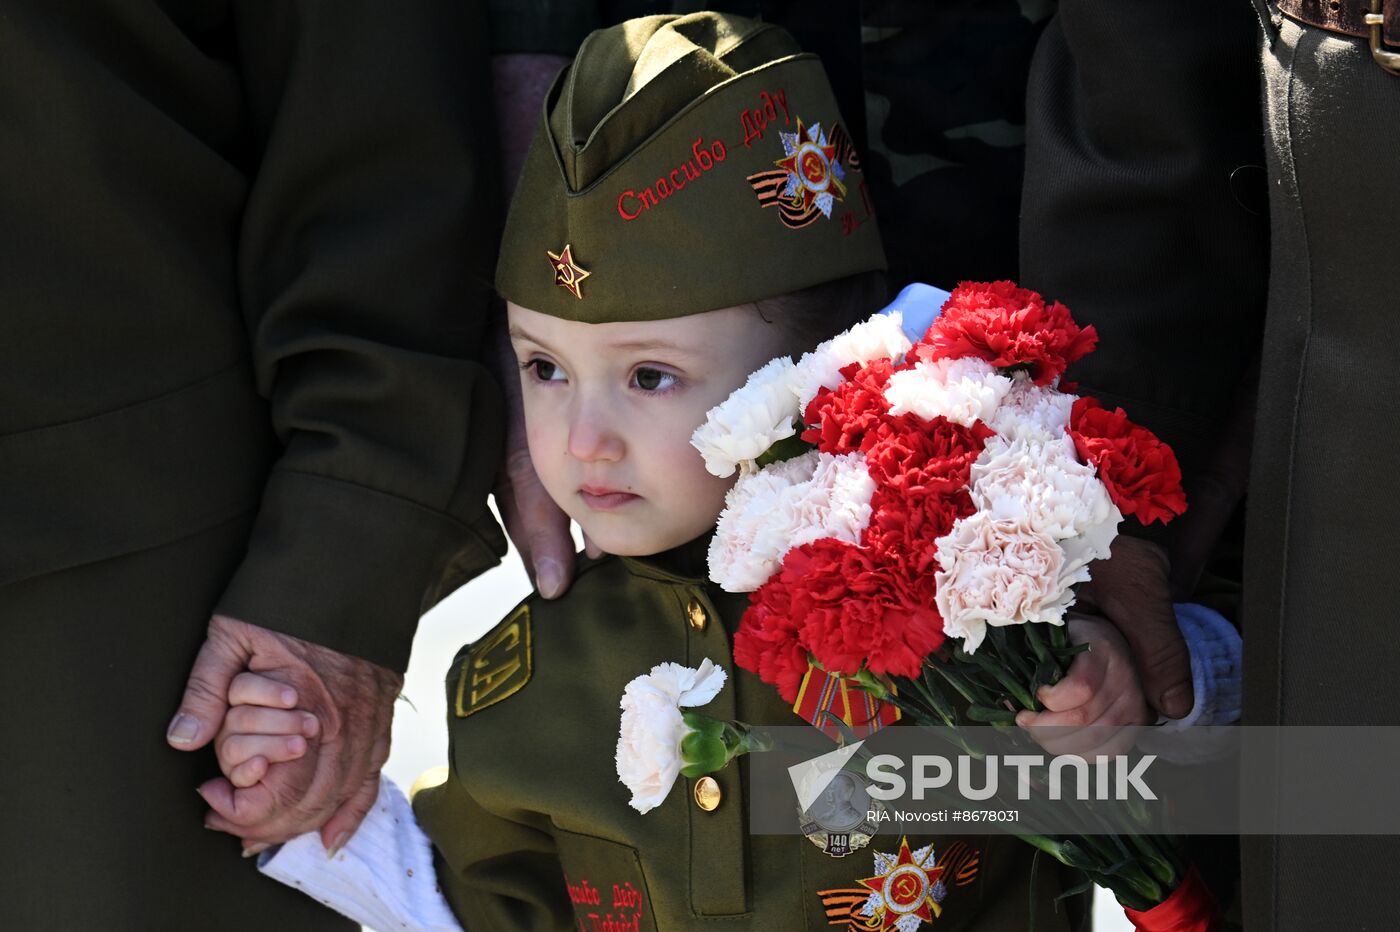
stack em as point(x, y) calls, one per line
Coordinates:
point(1098, 706)
point(263, 727)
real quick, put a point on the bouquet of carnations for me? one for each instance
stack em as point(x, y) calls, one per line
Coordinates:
point(913, 519)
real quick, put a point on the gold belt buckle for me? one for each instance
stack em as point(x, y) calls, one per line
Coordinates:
point(1390, 61)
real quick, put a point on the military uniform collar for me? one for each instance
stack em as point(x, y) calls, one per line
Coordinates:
point(687, 563)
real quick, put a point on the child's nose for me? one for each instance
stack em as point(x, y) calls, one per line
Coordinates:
point(593, 437)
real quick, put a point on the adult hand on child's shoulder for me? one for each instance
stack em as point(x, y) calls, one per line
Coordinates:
point(536, 525)
point(333, 785)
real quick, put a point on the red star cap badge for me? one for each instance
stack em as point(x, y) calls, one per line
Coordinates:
point(567, 274)
point(906, 887)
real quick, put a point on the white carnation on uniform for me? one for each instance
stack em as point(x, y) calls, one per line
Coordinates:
point(749, 421)
point(962, 390)
point(785, 505)
point(880, 337)
point(994, 572)
point(649, 739)
point(1030, 412)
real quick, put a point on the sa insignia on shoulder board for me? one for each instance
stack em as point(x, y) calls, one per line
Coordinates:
point(497, 666)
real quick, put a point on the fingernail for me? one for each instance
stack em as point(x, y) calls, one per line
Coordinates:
point(296, 744)
point(549, 576)
point(339, 843)
point(289, 697)
point(183, 729)
point(310, 724)
point(253, 851)
point(1176, 701)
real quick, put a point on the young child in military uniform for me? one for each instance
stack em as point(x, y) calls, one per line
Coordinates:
point(690, 209)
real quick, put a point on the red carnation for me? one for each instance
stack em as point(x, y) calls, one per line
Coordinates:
point(766, 642)
point(1140, 471)
point(917, 457)
point(904, 529)
point(1010, 327)
point(841, 416)
point(859, 609)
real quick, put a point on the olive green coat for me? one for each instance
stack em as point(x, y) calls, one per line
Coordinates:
point(534, 831)
point(1148, 212)
point(244, 263)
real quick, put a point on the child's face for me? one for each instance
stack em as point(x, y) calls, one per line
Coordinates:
point(609, 410)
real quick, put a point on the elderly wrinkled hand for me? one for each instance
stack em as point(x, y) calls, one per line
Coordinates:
point(329, 783)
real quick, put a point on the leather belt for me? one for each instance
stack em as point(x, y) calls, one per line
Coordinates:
point(1375, 20)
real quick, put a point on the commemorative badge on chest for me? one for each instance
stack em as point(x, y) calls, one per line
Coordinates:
point(907, 889)
point(842, 818)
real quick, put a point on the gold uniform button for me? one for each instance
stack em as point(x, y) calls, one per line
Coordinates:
point(707, 794)
point(695, 614)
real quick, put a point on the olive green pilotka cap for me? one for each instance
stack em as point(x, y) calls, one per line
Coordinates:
point(683, 164)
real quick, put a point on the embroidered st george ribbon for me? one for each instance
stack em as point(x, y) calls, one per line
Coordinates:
point(497, 666)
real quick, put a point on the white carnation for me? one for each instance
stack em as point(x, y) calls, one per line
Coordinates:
point(1041, 483)
point(1029, 412)
point(750, 420)
point(995, 572)
point(880, 337)
point(962, 390)
point(785, 505)
point(649, 739)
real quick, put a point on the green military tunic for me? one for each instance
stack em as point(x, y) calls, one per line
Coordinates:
point(533, 830)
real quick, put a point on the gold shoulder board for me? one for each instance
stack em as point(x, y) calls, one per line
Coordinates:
point(497, 666)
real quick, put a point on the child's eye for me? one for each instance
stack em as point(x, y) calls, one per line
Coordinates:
point(544, 371)
point(653, 380)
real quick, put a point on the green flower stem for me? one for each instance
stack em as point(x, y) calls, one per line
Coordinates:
point(1001, 675)
point(953, 675)
point(1036, 640)
point(1160, 867)
point(712, 743)
point(1141, 884)
point(1000, 640)
point(869, 682)
point(928, 689)
point(785, 449)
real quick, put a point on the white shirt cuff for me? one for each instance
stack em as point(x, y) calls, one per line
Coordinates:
point(383, 878)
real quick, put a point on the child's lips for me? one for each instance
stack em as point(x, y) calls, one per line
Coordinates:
point(600, 498)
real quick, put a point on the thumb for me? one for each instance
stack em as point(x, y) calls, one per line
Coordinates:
point(539, 527)
point(205, 701)
point(1164, 663)
point(346, 820)
point(1132, 589)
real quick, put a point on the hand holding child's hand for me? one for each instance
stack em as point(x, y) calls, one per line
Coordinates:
point(263, 727)
point(1099, 705)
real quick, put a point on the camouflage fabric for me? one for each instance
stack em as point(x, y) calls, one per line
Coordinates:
point(945, 87)
point(942, 88)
